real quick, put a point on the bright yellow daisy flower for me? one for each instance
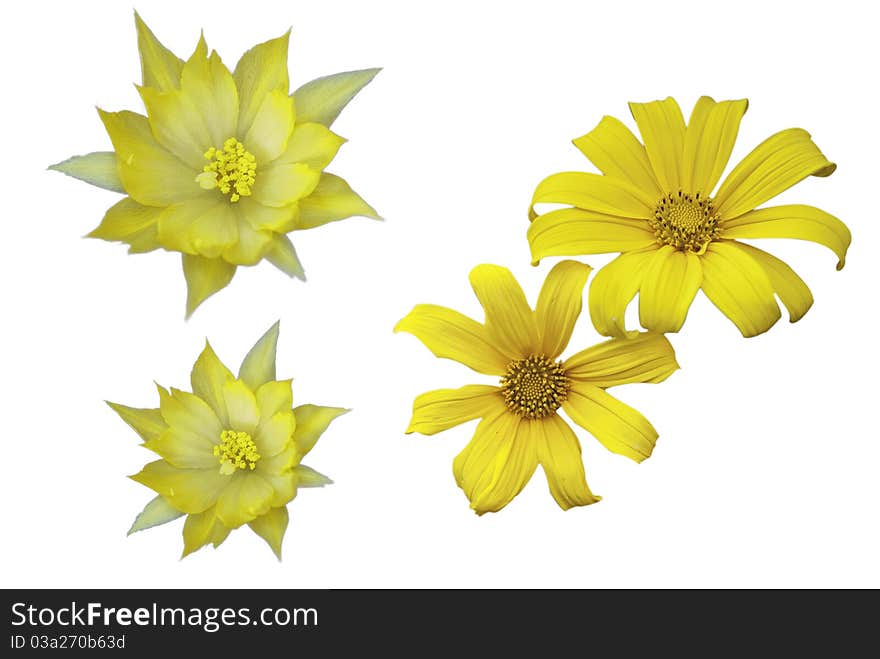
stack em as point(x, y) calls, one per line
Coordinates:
point(520, 427)
point(225, 164)
point(655, 204)
point(230, 451)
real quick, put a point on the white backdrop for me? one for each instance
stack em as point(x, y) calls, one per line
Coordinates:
point(766, 469)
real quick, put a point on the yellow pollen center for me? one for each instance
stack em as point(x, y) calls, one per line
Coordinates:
point(686, 222)
point(236, 450)
point(534, 387)
point(230, 169)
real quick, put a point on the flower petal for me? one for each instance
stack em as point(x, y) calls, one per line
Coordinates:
point(662, 127)
point(282, 255)
point(130, 222)
point(178, 125)
point(311, 422)
point(155, 513)
point(509, 319)
point(268, 218)
point(451, 335)
point(739, 287)
point(592, 192)
point(647, 357)
point(260, 71)
point(619, 428)
point(572, 231)
point(613, 148)
point(796, 221)
point(271, 527)
point(199, 530)
point(274, 433)
point(258, 366)
point(711, 134)
point(186, 448)
point(497, 463)
point(322, 99)
point(205, 226)
point(251, 245)
point(308, 477)
point(273, 397)
point(670, 282)
point(98, 168)
point(245, 497)
point(613, 288)
point(790, 288)
point(149, 173)
point(149, 424)
point(332, 200)
point(241, 404)
point(283, 184)
point(160, 67)
point(559, 453)
point(188, 490)
point(312, 144)
point(185, 411)
point(559, 305)
point(208, 378)
point(209, 86)
point(267, 137)
point(204, 277)
point(442, 409)
point(775, 165)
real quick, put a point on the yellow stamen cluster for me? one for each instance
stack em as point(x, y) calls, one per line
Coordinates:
point(535, 387)
point(686, 222)
point(230, 169)
point(236, 451)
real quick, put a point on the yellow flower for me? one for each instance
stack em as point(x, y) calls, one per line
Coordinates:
point(225, 164)
point(520, 426)
point(655, 204)
point(230, 451)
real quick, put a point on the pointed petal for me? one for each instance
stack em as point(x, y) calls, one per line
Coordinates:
point(204, 277)
point(260, 71)
point(647, 357)
point(739, 287)
point(188, 490)
point(245, 498)
point(662, 127)
point(559, 305)
point(442, 409)
point(155, 513)
point(149, 424)
point(330, 201)
point(271, 128)
point(251, 245)
point(559, 453)
point(572, 231)
point(773, 166)
point(613, 288)
point(451, 335)
point(98, 168)
point(273, 397)
point(283, 184)
point(282, 255)
point(790, 288)
point(241, 404)
point(592, 192)
point(160, 67)
point(178, 125)
point(130, 222)
point(258, 366)
point(274, 434)
point(613, 148)
point(311, 422)
point(322, 100)
point(208, 378)
point(312, 144)
point(619, 428)
point(796, 221)
point(271, 527)
point(208, 85)
point(205, 226)
point(711, 134)
point(188, 412)
point(268, 218)
point(202, 529)
point(671, 281)
point(509, 319)
point(308, 477)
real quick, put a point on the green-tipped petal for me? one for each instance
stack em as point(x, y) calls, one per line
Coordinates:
point(330, 201)
point(322, 100)
point(308, 477)
point(282, 255)
point(149, 424)
point(155, 513)
point(97, 168)
point(160, 67)
point(258, 366)
point(204, 277)
point(311, 422)
point(271, 527)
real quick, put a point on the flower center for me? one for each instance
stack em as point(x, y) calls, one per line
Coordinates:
point(230, 169)
point(534, 387)
point(236, 451)
point(686, 222)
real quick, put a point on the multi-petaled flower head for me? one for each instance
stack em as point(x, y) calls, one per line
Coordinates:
point(230, 450)
point(225, 164)
point(657, 204)
point(520, 426)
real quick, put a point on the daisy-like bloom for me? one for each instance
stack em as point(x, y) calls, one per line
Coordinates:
point(230, 451)
point(225, 164)
point(520, 427)
point(657, 204)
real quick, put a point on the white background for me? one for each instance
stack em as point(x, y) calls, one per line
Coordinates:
point(766, 472)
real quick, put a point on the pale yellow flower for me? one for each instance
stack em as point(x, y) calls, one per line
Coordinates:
point(657, 204)
point(520, 427)
point(225, 164)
